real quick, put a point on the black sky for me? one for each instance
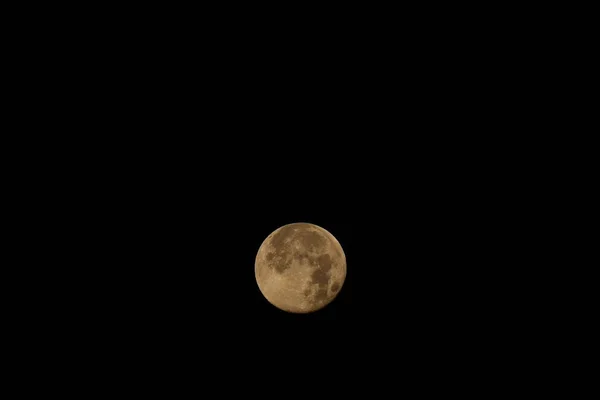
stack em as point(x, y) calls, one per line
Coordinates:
point(178, 230)
point(180, 179)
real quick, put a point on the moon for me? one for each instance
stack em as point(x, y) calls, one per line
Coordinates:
point(300, 268)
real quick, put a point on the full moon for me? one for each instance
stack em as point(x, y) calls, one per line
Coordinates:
point(300, 268)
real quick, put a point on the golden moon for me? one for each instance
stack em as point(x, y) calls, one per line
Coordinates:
point(300, 268)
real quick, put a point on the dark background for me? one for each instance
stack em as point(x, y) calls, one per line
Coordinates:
point(180, 153)
point(167, 266)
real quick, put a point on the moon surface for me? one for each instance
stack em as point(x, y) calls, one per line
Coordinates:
point(300, 268)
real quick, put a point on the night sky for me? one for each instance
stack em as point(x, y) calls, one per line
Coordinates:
point(176, 182)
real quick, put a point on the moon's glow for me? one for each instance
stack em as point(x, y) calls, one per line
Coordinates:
point(300, 267)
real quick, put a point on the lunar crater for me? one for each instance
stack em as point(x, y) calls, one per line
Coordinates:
point(320, 277)
point(325, 262)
